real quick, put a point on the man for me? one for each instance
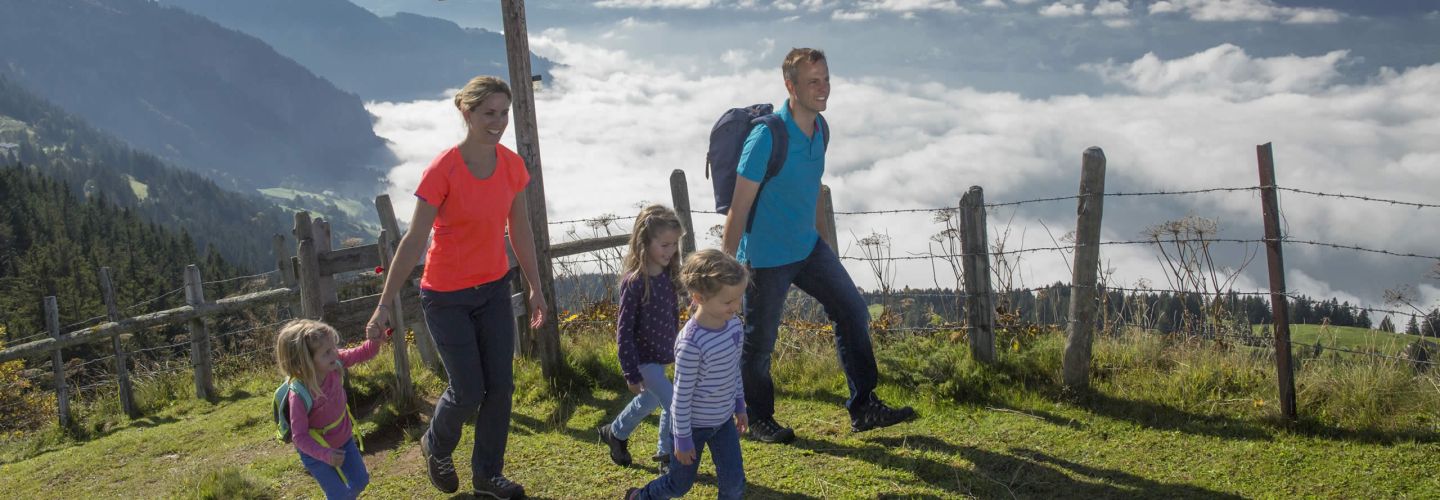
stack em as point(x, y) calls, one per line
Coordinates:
point(783, 246)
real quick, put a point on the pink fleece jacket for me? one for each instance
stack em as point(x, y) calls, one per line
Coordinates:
point(329, 406)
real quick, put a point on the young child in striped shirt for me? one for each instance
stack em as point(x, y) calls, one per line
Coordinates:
point(708, 405)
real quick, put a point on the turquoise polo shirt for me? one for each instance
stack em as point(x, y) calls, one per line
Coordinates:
point(784, 230)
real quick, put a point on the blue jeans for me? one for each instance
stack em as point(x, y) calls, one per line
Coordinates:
point(475, 335)
point(329, 478)
point(724, 442)
point(820, 275)
point(657, 394)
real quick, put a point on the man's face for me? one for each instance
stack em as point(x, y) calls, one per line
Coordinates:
point(811, 88)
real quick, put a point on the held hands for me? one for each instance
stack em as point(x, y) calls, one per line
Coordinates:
point(636, 388)
point(537, 308)
point(336, 458)
point(685, 457)
point(375, 329)
point(742, 422)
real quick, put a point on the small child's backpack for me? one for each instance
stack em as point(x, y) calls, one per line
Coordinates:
point(727, 142)
point(280, 407)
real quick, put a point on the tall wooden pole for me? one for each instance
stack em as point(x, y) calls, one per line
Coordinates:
point(1279, 303)
point(527, 144)
point(680, 196)
point(199, 336)
point(1078, 338)
point(62, 391)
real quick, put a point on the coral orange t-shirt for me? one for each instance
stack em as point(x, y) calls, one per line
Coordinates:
point(468, 246)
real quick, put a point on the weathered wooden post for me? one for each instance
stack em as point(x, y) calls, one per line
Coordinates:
point(62, 392)
point(199, 336)
point(311, 302)
point(285, 265)
point(122, 372)
point(1080, 331)
point(975, 243)
point(680, 197)
point(828, 206)
point(1279, 303)
point(426, 345)
point(527, 144)
point(404, 391)
point(329, 295)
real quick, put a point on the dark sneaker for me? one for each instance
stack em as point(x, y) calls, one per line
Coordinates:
point(499, 487)
point(767, 430)
point(441, 469)
point(874, 414)
point(619, 448)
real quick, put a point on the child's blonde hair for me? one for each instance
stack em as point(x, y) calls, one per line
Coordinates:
point(295, 348)
point(709, 270)
point(652, 220)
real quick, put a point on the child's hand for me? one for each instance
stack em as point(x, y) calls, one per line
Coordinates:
point(336, 458)
point(636, 388)
point(685, 457)
point(742, 422)
point(375, 328)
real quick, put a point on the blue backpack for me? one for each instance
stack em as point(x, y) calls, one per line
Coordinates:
point(727, 142)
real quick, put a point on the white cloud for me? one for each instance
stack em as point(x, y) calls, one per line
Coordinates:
point(1063, 9)
point(908, 6)
point(1246, 10)
point(1111, 8)
point(1226, 71)
point(655, 4)
point(851, 15)
point(994, 4)
point(1119, 22)
point(624, 27)
point(613, 125)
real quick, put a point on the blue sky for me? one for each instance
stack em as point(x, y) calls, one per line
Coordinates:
point(932, 96)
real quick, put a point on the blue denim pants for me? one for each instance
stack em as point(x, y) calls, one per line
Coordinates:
point(820, 275)
point(353, 467)
point(724, 443)
point(657, 393)
point(475, 335)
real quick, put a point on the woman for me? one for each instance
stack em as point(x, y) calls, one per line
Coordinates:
point(467, 196)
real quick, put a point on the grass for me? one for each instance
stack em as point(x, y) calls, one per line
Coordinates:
point(1163, 419)
point(1349, 337)
point(350, 207)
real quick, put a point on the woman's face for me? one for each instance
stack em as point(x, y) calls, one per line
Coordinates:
point(488, 119)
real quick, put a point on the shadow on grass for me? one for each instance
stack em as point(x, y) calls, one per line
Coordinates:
point(1157, 416)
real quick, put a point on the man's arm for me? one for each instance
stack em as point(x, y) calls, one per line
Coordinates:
point(740, 205)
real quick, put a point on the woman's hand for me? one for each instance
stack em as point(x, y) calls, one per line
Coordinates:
point(336, 458)
point(537, 308)
point(375, 329)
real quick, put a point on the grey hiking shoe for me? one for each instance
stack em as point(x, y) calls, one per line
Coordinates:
point(440, 469)
point(875, 414)
point(499, 487)
point(767, 430)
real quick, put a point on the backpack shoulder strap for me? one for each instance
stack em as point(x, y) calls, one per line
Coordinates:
point(779, 143)
point(824, 130)
point(299, 388)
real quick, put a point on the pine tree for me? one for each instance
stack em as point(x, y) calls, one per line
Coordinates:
point(1412, 327)
point(1386, 325)
point(1363, 320)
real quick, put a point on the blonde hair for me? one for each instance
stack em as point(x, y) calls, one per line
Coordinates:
point(478, 89)
point(652, 220)
point(791, 66)
point(295, 348)
point(709, 270)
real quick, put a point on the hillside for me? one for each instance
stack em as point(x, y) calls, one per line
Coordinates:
point(50, 141)
point(394, 58)
point(997, 433)
point(196, 94)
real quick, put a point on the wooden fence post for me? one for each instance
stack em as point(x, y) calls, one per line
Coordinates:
point(199, 336)
point(975, 245)
point(404, 391)
point(328, 293)
point(122, 372)
point(1279, 303)
point(828, 206)
point(527, 145)
point(680, 196)
point(286, 264)
point(426, 345)
point(1078, 337)
point(311, 302)
point(62, 392)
